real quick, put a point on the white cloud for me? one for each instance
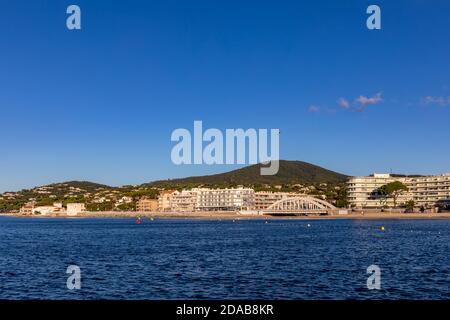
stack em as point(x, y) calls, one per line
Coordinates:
point(359, 104)
point(313, 109)
point(363, 101)
point(440, 101)
point(343, 103)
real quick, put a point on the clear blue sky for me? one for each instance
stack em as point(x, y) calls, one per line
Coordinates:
point(100, 104)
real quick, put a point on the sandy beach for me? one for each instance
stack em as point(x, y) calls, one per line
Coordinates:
point(236, 216)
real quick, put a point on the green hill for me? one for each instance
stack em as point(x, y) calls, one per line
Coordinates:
point(290, 172)
point(84, 186)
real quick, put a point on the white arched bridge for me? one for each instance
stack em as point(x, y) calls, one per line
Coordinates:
point(301, 205)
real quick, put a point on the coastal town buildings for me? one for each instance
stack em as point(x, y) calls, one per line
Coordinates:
point(27, 209)
point(229, 199)
point(164, 200)
point(426, 191)
point(224, 199)
point(146, 204)
point(57, 207)
point(74, 209)
point(124, 200)
point(100, 200)
point(183, 201)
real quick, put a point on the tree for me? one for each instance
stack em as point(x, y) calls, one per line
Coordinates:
point(105, 206)
point(392, 190)
point(409, 205)
point(127, 206)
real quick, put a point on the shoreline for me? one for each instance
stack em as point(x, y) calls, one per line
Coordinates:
point(236, 216)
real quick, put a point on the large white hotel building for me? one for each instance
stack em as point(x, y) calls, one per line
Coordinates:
point(205, 199)
point(426, 191)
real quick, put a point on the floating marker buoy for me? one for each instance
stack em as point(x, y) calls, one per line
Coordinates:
point(138, 220)
point(309, 225)
point(266, 221)
point(382, 228)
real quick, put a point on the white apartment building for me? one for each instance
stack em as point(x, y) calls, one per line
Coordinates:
point(205, 199)
point(185, 200)
point(224, 199)
point(425, 191)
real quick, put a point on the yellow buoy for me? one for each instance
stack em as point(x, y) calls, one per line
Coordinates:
point(382, 228)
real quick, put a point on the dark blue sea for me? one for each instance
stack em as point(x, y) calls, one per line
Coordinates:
point(245, 259)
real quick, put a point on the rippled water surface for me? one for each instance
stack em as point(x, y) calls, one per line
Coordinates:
point(179, 259)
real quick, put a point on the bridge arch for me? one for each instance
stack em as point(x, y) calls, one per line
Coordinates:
point(300, 205)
